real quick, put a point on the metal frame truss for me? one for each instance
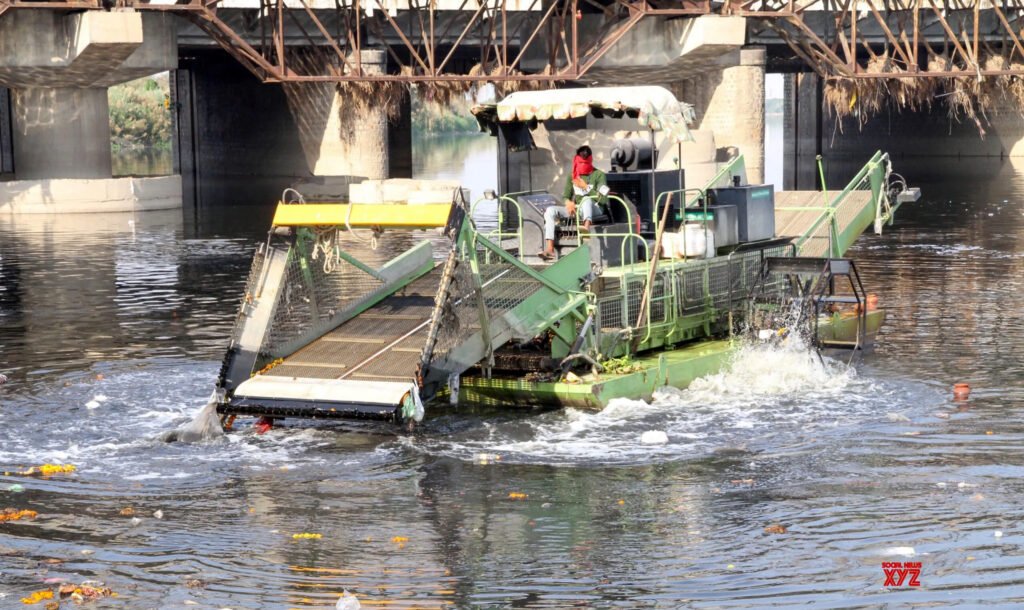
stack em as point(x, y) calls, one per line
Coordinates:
point(428, 43)
point(866, 39)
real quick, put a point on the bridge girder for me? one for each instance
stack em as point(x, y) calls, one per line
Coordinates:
point(838, 39)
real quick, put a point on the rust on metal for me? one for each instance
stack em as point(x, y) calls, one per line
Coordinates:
point(424, 40)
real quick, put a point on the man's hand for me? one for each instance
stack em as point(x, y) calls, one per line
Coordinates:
point(570, 206)
point(579, 182)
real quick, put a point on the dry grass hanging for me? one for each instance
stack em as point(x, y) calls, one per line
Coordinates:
point(961, 92)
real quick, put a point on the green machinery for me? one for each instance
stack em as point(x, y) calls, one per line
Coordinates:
point(332, 328)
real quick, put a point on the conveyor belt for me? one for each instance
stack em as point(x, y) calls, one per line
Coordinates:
point(796, 223)
point(384, 342)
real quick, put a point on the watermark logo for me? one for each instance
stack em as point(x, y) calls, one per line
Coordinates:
point(902, 573)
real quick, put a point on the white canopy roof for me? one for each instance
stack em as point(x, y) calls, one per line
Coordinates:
point(654, 107)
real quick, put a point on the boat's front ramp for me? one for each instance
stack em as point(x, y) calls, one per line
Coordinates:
point(322, 334)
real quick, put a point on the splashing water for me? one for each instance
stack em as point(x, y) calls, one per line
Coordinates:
point(764, 370)
point(203, 427)
point(777, 387)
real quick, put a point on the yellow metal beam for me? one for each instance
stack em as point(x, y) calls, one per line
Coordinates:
point(362, 216)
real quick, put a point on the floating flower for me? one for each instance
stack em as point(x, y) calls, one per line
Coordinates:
point(13, 514)
point(37, 597)
point(47, 470)
point(307, 536)
point(515, 495)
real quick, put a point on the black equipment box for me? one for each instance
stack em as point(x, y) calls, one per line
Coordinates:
point(755, 209)
point(636, 187)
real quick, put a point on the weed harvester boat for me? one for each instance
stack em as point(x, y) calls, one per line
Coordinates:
point(445, 306)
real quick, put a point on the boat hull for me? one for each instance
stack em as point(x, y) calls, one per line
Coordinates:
point(677, 367)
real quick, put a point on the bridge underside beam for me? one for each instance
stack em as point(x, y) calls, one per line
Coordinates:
point(874, 39)
point(543, 40)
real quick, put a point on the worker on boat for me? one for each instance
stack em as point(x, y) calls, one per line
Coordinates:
point(586, 187)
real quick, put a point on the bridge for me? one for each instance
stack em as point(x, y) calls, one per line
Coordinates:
point(858, 56)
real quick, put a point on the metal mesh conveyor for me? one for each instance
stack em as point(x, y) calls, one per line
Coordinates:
point(321, 333)
point(799, 213)
point(384, 342)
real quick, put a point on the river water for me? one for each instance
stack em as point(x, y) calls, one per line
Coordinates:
point(112, 329)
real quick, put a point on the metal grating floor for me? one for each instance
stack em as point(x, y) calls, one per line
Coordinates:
point(365, 343)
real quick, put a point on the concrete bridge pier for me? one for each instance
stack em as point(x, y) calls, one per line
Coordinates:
point(6, 143)
point(802, 130)
point(62, 133)
point(729, 103)
point(344, 129)
point(56, 136)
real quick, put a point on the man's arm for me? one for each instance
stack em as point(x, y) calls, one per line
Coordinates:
point(600, 181)
point(567, 192)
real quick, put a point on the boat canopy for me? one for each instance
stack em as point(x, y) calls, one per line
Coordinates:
point(654, 107)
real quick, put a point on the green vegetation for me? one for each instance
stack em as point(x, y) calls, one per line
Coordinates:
point(436, 117)
point(140, 114)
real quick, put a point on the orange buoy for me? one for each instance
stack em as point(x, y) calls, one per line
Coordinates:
point(872, 302)
point(961, 391)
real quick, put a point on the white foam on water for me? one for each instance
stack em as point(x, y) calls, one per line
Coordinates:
point(776, 388)
point(137, 403)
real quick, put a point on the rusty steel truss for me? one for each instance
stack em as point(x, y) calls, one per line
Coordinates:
point(870, 39)
point(844, 39)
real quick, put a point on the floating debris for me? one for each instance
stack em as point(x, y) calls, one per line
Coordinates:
point(347, 601)
point(37, 597)
point(195, 583)
point(997, 534)
point(775, 528)
point(45, 470)
point(15, 488)
point(654, 437)
point(3, 379)
point(127, 511)
point(158, 514)
point(87, 591)
point(13, 514)
point(515, 495)
point(961, 391)
point(205, 426)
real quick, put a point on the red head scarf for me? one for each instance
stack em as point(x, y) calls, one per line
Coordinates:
point(582, 167)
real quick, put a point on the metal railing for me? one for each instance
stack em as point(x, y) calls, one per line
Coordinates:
point(498, 232)
point(630, 234)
